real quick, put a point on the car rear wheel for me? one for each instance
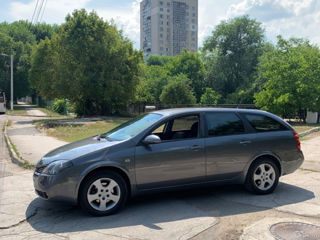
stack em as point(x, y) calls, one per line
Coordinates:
point(103, 193)
point(262, 177)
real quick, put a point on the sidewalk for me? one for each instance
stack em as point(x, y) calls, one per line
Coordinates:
point(31, 144)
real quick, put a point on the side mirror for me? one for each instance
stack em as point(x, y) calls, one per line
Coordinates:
point(152, 139)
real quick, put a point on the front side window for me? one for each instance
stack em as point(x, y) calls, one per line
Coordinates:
point(132, 128)
point(179, 128)
point(222, 124)
point(264, 124)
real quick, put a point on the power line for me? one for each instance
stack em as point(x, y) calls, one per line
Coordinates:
point(39, 11)
point(44, 7)
point(34, 11)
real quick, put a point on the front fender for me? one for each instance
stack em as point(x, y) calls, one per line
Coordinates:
point(103, 164)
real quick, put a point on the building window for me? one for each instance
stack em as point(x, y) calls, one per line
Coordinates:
point(161, 41)
point(161, 22)
point(168, 17)
point(161, 48)
point(187, 13)
point(168, 23)
point(168, 30)
point(161, 29)
point(161, 3)
point(193, 21)
point(193, 14)
point(193, 33)
point(161, 35)
point(193, 8)
point(187, 19)
point(193, 39)
point(161, 9)
point(161, 16)
point(168, 4)
point(168, 10)
point(167, 49)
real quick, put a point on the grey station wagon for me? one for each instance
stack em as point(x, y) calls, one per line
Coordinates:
point(170, 149)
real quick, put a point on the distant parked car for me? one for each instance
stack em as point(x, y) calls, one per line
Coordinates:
point(3, 105)
point(170, 149)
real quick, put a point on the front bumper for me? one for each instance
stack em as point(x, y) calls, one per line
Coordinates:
point(54, 187)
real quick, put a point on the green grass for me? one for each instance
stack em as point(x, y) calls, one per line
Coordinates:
point(75, 132)
point(304, 127)
point(49, 112)
point(17, 110)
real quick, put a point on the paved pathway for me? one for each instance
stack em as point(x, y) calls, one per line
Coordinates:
point(311, 150)
point(31, 144)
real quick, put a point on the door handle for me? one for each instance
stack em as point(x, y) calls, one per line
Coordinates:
point(196, 148)
point(245, 142)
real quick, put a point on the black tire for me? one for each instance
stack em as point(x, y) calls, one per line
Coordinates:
point(102, 175)
point(254, 186)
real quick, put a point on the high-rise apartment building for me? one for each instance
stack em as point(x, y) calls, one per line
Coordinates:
point(168, 26)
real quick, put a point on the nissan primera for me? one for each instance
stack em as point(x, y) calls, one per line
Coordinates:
point(170, 149)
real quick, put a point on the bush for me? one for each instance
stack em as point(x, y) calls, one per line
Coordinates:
point(58, 106)
point(210, 97)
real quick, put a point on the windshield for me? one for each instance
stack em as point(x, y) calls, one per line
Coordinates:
point(132, 128)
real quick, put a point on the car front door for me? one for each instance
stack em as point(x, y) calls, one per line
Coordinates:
point(177, 160)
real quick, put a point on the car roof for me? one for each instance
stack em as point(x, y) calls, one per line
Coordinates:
point(174, 111)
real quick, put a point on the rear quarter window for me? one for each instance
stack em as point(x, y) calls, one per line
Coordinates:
point(264, 124)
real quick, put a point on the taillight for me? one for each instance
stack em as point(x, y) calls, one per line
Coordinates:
point(297, 139)
point(4, 105)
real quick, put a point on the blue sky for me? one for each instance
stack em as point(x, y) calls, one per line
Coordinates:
point(290, 18)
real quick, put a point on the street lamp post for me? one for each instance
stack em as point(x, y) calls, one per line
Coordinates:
point(11, 56)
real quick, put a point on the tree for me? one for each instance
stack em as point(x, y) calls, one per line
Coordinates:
point(155, 78)
point(291, 75)
point(178, 91)
point(191, 65)
point(157, 60)
point(210, 97)
point(94, 65)
point(231, 55)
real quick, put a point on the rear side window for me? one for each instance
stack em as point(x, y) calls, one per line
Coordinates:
point(222, 124)
point(264, 124)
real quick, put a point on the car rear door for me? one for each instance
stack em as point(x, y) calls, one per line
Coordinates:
point(228, 145)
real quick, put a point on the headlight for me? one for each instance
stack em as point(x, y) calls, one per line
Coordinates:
point(57, 166)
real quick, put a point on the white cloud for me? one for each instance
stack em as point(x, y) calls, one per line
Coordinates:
point(290, 18)
point(127, 19)
point(55, 11)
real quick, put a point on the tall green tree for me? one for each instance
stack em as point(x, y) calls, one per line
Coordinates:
point(291, 75)
point(94, 65)
point(191, 65)
point(231, 55)
point(155, 78)
point(210, 97)
point(157, 60)
point(178, 91)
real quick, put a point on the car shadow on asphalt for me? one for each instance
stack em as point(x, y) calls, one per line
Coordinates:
point(152, 210)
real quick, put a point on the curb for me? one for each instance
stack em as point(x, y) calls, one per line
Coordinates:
point(303, 134)
point(14, 158)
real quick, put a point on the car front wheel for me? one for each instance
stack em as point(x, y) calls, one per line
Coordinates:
point(262, 177)
point(103, 193)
